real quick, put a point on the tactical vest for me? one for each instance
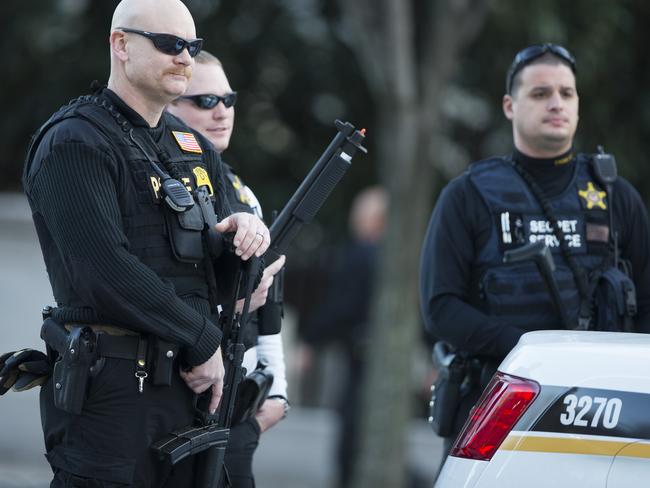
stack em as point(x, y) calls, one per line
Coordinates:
point(146, 218)
point(516, 293)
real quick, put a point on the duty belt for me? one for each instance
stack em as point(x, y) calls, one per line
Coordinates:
point(154, 358)
point(112, 341)
point(119, 343)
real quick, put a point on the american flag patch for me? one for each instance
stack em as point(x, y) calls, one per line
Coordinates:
point(187, 142)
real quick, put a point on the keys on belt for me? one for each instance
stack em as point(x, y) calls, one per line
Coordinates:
point(141, 363)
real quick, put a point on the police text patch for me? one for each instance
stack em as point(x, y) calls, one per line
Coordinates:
point(517, 229)
point(540, 229)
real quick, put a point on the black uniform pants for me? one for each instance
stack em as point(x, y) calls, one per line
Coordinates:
point(108, 444)
point(243, 441)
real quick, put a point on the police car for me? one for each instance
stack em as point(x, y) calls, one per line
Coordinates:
point(565, 409)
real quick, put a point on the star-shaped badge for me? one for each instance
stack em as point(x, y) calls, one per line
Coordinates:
point(593, 198)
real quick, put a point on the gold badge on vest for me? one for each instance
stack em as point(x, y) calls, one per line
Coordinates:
point(593, 197)
point(202, 178)
point(240, 189)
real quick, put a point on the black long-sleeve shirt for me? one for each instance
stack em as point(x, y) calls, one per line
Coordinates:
point(460, 227)
point(76, 189)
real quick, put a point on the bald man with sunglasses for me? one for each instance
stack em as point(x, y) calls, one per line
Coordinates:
point(542, 194)
point(112, 182)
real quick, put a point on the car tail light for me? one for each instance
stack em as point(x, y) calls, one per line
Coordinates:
point(501, 405)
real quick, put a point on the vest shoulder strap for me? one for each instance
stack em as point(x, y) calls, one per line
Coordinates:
point(500, 186)
point(65, 112)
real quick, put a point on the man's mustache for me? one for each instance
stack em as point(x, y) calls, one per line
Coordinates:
point(187, 72)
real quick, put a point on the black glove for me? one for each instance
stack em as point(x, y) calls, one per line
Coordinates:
point(8, 377)
point(23, 370)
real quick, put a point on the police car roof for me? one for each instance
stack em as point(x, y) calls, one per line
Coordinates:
point(608, 360)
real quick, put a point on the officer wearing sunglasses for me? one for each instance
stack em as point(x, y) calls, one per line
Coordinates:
point(110, 179)
point(209, 103)
point(209, 108)
point(543, 192)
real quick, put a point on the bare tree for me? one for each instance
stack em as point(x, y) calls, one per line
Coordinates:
point(406, 81)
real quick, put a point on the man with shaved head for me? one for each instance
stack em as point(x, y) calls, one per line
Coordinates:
point(113, 182)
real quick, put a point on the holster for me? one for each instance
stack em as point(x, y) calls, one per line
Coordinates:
point(446, 392)
point(615, 301)
point(252, 392)
point(162, 355)
point(72, 370)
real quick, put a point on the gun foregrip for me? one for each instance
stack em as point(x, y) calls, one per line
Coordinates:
point(317, 185)
point(336, 167)
point(284, 230)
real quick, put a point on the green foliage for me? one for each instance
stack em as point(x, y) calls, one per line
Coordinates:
point(52, 51)
point(294, 79)
point(608, 40)
point(295, 76)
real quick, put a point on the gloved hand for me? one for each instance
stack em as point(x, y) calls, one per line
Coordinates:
point(23, 369)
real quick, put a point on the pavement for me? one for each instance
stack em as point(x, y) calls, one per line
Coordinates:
point(296, 453)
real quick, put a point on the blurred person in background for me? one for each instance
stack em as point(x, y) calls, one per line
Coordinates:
point(341, 318)
point(208, 106)
point(543, 193)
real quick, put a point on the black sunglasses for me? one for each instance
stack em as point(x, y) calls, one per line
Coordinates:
point(208, 100)
point(168, 43)
point(529, 54)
